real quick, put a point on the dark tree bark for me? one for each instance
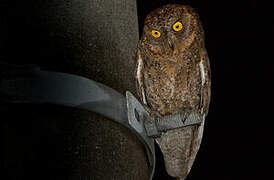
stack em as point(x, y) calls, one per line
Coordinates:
point(91, 38)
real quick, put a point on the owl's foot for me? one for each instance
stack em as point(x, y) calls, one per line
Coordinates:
point(152, 114)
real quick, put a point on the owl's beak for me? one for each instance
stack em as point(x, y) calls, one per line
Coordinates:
point(171, 45)
point(170, 41)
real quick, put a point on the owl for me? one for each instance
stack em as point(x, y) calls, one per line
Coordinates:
point(172, 75)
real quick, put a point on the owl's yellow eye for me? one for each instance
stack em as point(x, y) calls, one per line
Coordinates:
point(178, 26)
point(155, 33)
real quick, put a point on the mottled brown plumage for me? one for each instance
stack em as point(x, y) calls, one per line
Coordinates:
point(173, 74)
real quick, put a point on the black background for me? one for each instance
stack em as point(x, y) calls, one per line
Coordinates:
point(238, 136)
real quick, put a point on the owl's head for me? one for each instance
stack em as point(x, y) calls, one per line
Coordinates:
point(171, 29)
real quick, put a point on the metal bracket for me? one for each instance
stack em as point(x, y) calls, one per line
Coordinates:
point(137, 115)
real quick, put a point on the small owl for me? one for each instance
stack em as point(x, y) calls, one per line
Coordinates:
point(172, 75)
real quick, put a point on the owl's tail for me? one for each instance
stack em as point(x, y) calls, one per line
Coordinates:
point(179, 147)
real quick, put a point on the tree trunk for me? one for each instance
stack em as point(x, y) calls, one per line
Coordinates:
point(91, 38)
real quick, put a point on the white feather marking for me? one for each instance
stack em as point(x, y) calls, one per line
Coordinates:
point(202, 69)
point(140, 66)
point(144, 98)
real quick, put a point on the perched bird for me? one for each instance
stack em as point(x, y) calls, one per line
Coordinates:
point(173, 74)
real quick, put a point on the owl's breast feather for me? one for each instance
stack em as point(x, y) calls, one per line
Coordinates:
point(167, 87)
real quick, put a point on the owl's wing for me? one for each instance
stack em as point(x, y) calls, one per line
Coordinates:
point(206, 82)
point(139, 75)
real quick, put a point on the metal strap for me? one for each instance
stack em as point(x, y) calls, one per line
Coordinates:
point(30, 85)
point(177, 120)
